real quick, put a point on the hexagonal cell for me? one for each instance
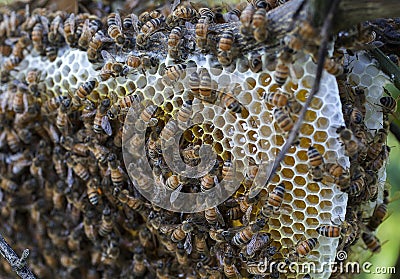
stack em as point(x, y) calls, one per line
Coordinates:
point(320, 136)
point(299, 227)
point(287, 173)
point(325, 205)
point(312, 211)
point(287, 231)
point(307, 129)
point(326, 193)
point(286, 220)
point(299, 205)
point(312, 199)
point(299, 193)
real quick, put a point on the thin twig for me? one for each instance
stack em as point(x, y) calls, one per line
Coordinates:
point(18, 264)
point(325, 32)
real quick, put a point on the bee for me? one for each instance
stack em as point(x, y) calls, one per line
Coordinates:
point(139, 266)
point(111, 68)
point(69, 30)
point(101, 122)
point(230, 269)
point(92, 190)
point(10, 64)
point(99, 152)
point(283, 119)
point(173, 73)
point(388, 104)
point(185, 13)
point(62, 120)
point(95, 44)
point(58, 195)
point(13, 141)
point(117, 174)
point(329, 231)
point(303, 248)
point(107, 223)
point(32, 78)
point(146, 118)
point(231, 103)
point(168, 133)
point(258, 24)
point(153, 25)
point(8, 185)
point(86, 36)
point(226, 40)
point(372, 242)
point(246, 234)
point(183, 115)
point(194, 83)
point(131, 21)
point(333, 67)
point(274, 201)
point(214, 216)
point(20, 100)
point(228, 171)
point(133, 61)
point(277, 99)
point(377, 164)
point(315, 158)
point(181, 255)
point(181, 232)
point(77, 167)
point(175, 37)
point(201, 33)
point(56, 30)
point(255, 62)
point(205, 85)
point(20, 46)
point(357, 184)
point(379, 214)
point(350, 142)
point(259, 4)
point(257, 243)
point(208, 181)
point(115, 28)
point(191, 154)
point(246, 18)
point(148, 15)
point(37, 37)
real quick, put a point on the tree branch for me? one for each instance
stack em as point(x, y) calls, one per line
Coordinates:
point(17, 264)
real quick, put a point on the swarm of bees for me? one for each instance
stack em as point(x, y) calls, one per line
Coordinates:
point(67, 195)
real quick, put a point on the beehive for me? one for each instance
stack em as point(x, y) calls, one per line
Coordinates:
point(253, 135)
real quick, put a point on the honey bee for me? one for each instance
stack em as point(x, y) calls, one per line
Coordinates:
point(303, 248)
point(173, 73)
point(115, 28)
point(182, 232)
point(181, 255)
point(214, 216)
point(379, 214)
point(131, 21)
point(228, 171)
point(277, 99)
point(185, 13)
point(20, 46)
point(259, 21)
point(388, 104)
point(230, 270)
point(153, 25)
point(148, 15)
point(69, 30)
point(111, 68)
point(315, 158)
point(101, 122)
point(107, 223)
point(194, 83)
point(255, 62)
point(246, 18)
point(133, 61)
point(10, 64)
point(37, 37)
point(208, 181)
point(12, 140)
point(226, 40)
point(58, 195)
point(230, 102)
point(175, 37)
point(371, 241)
point(201, 32)
point(96, 44)
point(86, 36)
point(100, 152)
point(168, 133)
point(246, 234)
point(350, 142)
point(283, 119)
point(33, 78)
point(77, 167)
point(329, 231)
point(333, 67)
point(257, 243)
point(92, 190)
point(8, 185)
point(56, 30)
point(117, 174)
point(259, 4)
point(274, 201)
point(379, 161)
point(62, 120)
point(205, 86)
point(20, 100)
point(146, 118)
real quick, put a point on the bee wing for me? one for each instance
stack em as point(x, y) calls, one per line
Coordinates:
point(89, 114)
point(220, 218)
point(175, 4)
point(85, 28)
point(251, 247)
point(118, 21)
point(247, 215)
point(45, 23)
point(106, 125)
point(175, 193)
point(188, 244)
point(107, 56)
point(70, 177)
point(135, 21)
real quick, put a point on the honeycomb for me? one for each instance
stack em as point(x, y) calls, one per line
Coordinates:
point(250, 137)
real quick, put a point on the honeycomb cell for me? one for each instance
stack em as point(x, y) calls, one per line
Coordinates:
point(312, 211)
point(299, 193)
point(312, 199)
point(286, 220)
point(287, 231)
point(287, 173)
point(320, 136)
point(264, 79)
point(325, 205)
point(299, 205)
point(307, 129)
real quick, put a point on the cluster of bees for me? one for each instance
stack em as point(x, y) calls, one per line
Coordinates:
point(65, 192)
